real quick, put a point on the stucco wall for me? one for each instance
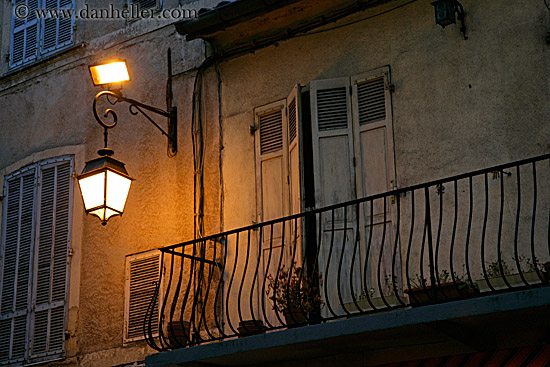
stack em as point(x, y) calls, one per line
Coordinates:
point(49, 106)
point(458, 105)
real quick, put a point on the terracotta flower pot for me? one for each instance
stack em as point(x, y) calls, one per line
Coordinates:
point(251, 327)
point(443, 292)
point(294, 316)
point(179, 334)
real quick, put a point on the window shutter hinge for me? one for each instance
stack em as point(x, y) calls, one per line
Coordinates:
point(390, 87)
point(350, 90)
point(7, 56)
point(70, 251)
point(2, 197)
point(253, 129)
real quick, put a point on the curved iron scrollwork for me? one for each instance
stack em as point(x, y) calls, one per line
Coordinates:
point(135, 108)
point(138, 107)
point(108, 112)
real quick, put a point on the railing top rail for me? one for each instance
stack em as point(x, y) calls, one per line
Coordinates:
point(360, 200)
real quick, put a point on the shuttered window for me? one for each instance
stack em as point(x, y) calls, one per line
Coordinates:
point(332, 108)
point(371, 99)
point(147, 4)
point(142, 277)
point(292, 119)
point(33, 38)
point(34, 263)
point(271, 132)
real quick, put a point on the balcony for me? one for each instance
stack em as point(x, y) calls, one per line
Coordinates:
point(463, 242)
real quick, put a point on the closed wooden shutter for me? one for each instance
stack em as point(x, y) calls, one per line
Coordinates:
point(57, 32)
point(272, 163)
point(17, 265)
point(332, 136)
point(51, 253)
point(35, 240)
point(373, 133)
point(272, 187)
point(24, 34)
point(32, 38)
point(142, 276)
point(333, 163)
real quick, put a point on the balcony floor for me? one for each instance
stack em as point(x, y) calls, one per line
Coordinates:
point(498, 321)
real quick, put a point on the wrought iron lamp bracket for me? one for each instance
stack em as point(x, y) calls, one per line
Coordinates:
point(460, 12)
point(136, 107)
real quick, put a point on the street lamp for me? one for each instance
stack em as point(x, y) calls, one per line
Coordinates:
point(445, 14)
point(113, 72)
point(104, 182)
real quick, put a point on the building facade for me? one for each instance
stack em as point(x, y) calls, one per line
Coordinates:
point(401, 156)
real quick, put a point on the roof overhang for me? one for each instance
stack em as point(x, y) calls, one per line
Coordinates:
point(246, 25)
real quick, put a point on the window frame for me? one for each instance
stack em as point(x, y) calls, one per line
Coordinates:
point(156, 8)
point(32, 307)
point(39, 53)
point(129, 259)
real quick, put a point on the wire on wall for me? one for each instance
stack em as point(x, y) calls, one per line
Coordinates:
point(198, 135)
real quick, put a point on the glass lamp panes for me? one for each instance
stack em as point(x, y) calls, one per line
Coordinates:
point(104, 185)
point(445, 12)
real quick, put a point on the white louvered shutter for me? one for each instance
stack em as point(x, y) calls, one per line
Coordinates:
point(294, 166)
point(57, 32)
point(24, 34)
point(272, 186)
point(332, 140)
point(293, 103)
point(51, 253)
point(142, 276)
point(333, 164)
point(373, 131)
point(17, 262)
point(272, 164)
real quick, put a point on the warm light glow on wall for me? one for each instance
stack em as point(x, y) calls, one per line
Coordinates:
point(114, 72)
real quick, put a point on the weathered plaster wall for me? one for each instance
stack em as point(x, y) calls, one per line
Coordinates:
point(458, 105)
point(49, 106)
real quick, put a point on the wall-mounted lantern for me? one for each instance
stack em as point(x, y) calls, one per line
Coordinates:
point(104, 182)
point(445, 14)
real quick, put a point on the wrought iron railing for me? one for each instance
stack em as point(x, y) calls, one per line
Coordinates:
point(465, 236)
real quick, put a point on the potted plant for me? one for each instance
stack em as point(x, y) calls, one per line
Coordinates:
point(497, 271)
point(295, 294)
point(370, 300)
point(422, 292)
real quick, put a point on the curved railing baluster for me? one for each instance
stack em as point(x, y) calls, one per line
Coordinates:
point(533, 220)
point(484, 232)
point(381, 255)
